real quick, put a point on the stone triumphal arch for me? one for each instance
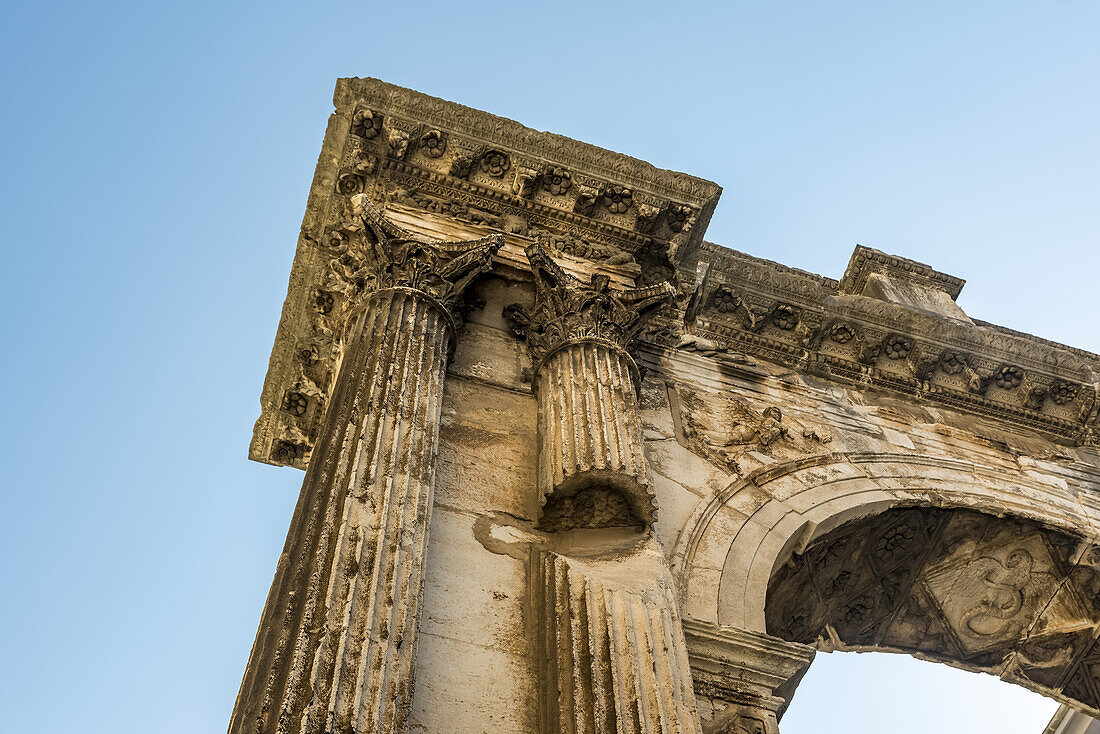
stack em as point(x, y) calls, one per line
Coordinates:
point(569, 467)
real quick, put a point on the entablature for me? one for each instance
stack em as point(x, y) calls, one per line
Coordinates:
point(903, 339)
point(445, 171)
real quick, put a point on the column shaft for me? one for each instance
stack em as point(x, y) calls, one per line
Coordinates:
point(613, 653)
point(589, 427)
point(337, 639)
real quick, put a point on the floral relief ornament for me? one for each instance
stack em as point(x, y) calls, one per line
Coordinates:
point(785, 317)
point(842, 333)
point(724, 300)
point(678, 215)
point(433, 144)
point(953, 363)
point(897, 347)
point(1062, 393)
point(557, 180)
point(1009, 377)
point(495, 163)
point(617, 199)
point(366, 123)
point(350, 183)
point(295, 403)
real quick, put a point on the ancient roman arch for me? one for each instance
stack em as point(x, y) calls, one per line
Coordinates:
point(571, 468)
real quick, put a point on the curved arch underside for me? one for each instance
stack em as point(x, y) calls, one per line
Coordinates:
point(983, 593)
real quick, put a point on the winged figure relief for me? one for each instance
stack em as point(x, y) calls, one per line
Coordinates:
point(722, 427)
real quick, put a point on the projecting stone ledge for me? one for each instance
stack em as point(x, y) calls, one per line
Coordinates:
point(473, 171)
point(450, 172)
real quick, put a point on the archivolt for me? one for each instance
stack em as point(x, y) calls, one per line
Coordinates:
point(729, 548)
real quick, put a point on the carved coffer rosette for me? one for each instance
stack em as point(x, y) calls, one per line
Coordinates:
point(592, 468)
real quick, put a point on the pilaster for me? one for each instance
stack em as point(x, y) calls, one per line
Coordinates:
point(612, 651)
point(337, 640)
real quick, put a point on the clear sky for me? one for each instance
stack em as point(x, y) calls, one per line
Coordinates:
point(155, 163)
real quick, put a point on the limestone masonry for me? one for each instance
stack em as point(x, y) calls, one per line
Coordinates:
point(571, 468)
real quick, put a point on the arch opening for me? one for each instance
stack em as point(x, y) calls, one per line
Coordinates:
point(979, 592)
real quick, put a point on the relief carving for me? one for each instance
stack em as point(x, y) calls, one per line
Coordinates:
point(592, 468)
point(993, 594)
point(433, 143)
point(722, 429)
point(556, 180)
point(567, 309)
point(366, 123)
point(378, 254)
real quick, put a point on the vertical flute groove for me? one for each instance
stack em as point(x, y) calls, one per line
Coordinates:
point(612, 658)
point(589, 432)
point(338, 636)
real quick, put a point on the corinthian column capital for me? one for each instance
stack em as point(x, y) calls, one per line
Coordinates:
point(373, 254)
point(568, 310)
point(337, 642)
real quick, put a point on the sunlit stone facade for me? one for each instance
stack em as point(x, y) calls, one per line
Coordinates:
point(572, 468)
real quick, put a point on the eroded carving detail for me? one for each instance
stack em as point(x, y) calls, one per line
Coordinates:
point(381, 255)
point(433, 143)
point(590, 437)
point(495, 163)
point(557, 180)
point(567, 309)
point(723, 428)
point(994, 594)
point(366, 123)
point(337, 653)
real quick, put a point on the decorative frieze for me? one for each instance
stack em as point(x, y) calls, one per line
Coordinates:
point(481, 169)
point(891, 323)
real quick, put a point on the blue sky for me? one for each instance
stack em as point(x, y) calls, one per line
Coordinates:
point(155, 164)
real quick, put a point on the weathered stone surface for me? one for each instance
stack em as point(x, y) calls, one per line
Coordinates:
point(614, 485)
point(336, 645)
point(1003, 596)
point(592, 467)
point(611, 642)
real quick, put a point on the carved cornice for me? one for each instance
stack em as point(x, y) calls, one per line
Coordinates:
point(503, 156)
point(866, 261)
point(568, 310)
point(404, 148)
point(815, 325)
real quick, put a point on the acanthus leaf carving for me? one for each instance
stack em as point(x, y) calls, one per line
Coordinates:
point(568, 309)
point(378, 254)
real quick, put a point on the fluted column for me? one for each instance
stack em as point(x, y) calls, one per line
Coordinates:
point(612, 651)
point(611, 646)
point(336, 644)
point(589, 430)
